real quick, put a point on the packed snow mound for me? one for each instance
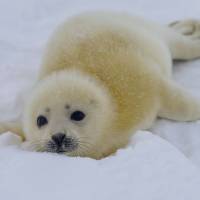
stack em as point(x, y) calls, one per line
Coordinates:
point(149, 168)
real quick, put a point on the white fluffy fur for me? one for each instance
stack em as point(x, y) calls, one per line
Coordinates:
point(117, 69)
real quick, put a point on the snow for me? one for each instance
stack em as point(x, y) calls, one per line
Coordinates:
point(161, 164)
point(150, 168)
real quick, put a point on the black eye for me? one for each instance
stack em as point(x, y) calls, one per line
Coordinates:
point(77, 115)
point(41, 121)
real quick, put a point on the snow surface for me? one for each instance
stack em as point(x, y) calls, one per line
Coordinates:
point(161, 164)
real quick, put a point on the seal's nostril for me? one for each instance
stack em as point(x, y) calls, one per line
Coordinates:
point(58, 138)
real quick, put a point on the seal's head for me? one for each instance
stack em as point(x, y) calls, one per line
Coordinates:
point(69, 113)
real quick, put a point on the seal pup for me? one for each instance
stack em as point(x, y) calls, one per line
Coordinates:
point(103, 77)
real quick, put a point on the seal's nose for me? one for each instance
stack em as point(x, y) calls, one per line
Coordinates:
point(58, 138)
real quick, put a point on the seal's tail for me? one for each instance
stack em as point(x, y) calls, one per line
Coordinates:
point(183, 38)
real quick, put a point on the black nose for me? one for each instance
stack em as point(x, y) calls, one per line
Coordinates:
point(58, 139)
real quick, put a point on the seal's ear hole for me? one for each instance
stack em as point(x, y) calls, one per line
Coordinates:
point(47, 110)
point(93, 102)
point(67, 106)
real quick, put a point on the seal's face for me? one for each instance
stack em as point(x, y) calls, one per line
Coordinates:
point(66, 114)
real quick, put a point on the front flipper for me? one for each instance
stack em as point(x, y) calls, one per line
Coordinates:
point(177, 103)
point(14, 127)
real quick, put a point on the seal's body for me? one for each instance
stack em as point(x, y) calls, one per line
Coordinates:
point(104, 76)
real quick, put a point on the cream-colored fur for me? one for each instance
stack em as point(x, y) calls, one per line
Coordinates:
point(117, 69)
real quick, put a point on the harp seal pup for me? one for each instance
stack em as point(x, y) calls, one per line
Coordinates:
point(103, 77)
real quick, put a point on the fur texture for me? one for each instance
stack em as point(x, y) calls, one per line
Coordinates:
point(117, 69)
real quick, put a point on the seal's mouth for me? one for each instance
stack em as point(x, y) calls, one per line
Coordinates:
point(66, 146)
point(60, 151)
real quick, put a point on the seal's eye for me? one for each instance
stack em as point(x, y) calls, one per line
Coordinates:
point(41, 121)
point(77, 115)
